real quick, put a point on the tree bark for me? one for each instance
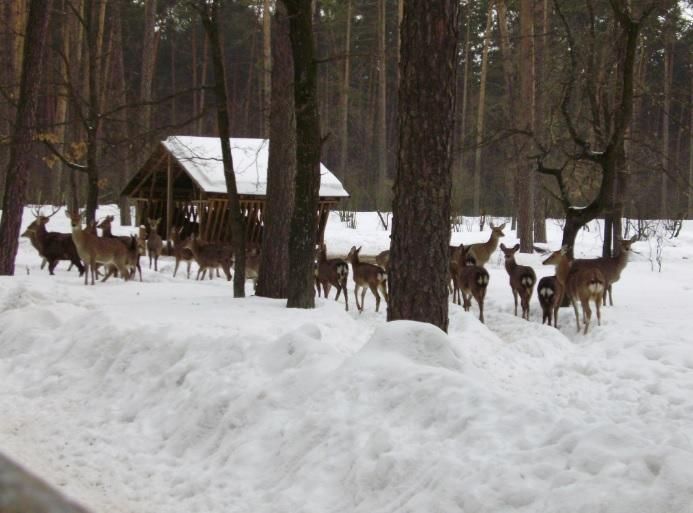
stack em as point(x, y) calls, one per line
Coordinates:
point(281, 169)
point(24, 131)
point(149, 51)
point(381, 141)
point(307, 183)
point(664, 212)
point(267, 68)
point(476, 191)
point(209, 13)
point(419, 271)
point(541, 24)
point(690, 151)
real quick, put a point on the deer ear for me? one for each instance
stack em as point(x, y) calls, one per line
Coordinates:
point(516, 247)
point(564, 249)
point(634, 238)
point(491, 225)
point(502, 226)
point(502, 246)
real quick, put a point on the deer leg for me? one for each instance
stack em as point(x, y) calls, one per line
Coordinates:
point(587, 312)
point(356, 296)
point(577, 317)
point(339, 290)
point(150, 260)
point(139, 269)
point(189, 264)
point(480, 301)
point(326, 286)
point(599, 313)
point(156, 263)
point(317, 286)
point(515, 299)
point(175, 268)
point(611, 299)
point(51, 266)
point(555, 315)
point(383, 289)
point(346, 298)
point(363, 296)
point(374, 290)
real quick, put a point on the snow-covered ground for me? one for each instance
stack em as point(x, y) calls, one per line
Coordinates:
point(171, 396)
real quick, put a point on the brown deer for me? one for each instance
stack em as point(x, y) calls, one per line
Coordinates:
point(383, 259)
point(154, 243)
point(472, 281)
point(550, 294)
point(94, 250)
point(583, 284)
point(133, 257)
point(52, 246)
point(611, 267)
point(367, 275)
point(209, 257)
point(180, 252)
point(522, 279)
point(334, 271)
point(481, 252)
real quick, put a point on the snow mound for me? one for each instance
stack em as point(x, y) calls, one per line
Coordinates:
point(414, 342)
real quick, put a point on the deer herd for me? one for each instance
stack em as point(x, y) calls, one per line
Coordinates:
point(577, 280)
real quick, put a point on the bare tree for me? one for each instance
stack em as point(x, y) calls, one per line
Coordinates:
point(421, 211)
point(24, 131)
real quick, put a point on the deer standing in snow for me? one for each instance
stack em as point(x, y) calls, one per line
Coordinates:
point(481, 252)
point(334, 271)
point(472, 281)
point(367, 275)
point(154, 243)
point(522, 279)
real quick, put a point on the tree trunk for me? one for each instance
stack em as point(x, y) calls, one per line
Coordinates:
point(267, 68)
point(344, 111)
point(381, 141)
point(93, 117)
point(690, 151)
point(304, 219)
point(149, 47)
point(281, 168)
point(476, 191)
point(525, 207)
point(465, 98)
point(541, 13)
point(24, 132)
point(664, 211)
point(209, 13)
point(419, 268)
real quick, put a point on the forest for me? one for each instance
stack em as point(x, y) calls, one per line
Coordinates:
point(152, 73)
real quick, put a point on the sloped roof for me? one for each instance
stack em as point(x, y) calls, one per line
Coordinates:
point(201, 159)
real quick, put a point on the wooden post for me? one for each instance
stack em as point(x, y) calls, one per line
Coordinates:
point(169, 197)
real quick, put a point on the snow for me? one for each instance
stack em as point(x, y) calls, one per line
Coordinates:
point(170, 395)
point(201, 158)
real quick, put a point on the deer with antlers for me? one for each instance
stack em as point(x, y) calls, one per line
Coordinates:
point(522, 279)
point(134, 251)
point(51, 246)
point(95, 250)
point(481, 252)
point(471, 281)
point(334, 271)
point(367, 275)
point(580, 284)
point(154, 243)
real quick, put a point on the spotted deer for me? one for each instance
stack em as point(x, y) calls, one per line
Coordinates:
point(481, 252)
point(94, 250)
point(334, 271)
point(134, 256)
point(581, 284)
point(611, 267)
point(180, 252)
point(154, 243)
point(367, 275)
point(472, 281)
point(522, 279)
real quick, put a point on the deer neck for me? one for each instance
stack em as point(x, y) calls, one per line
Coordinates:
point(510, 265)
point(562, 270)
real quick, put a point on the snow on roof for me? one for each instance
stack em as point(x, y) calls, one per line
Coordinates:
point(201, 158)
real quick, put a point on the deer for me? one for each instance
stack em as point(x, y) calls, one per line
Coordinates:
point(154, 243)
point(52, 246)
point(367, 275)
point(522, 279)
point(550, 294)
point(481, 252)
point(580, 284)
point(94, 250)
point(472, 281)
point(180, 252)
point(611, 267)
point(334, 271)
point(209, 257)
point(383, 259)
point(133, 257)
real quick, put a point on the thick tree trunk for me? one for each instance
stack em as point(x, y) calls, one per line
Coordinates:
point(664, 211)
point(24, 132)
point(149, 51)
point(421, 210)
point(541, 24)
point(281, 169)
point(304, 219)
point(267, 68)
point(525, 182)
point(476, 191)
point(690, 152)
point(93, 118)
point(210, 20)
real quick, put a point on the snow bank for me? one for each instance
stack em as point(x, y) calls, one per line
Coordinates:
point(169, 395)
